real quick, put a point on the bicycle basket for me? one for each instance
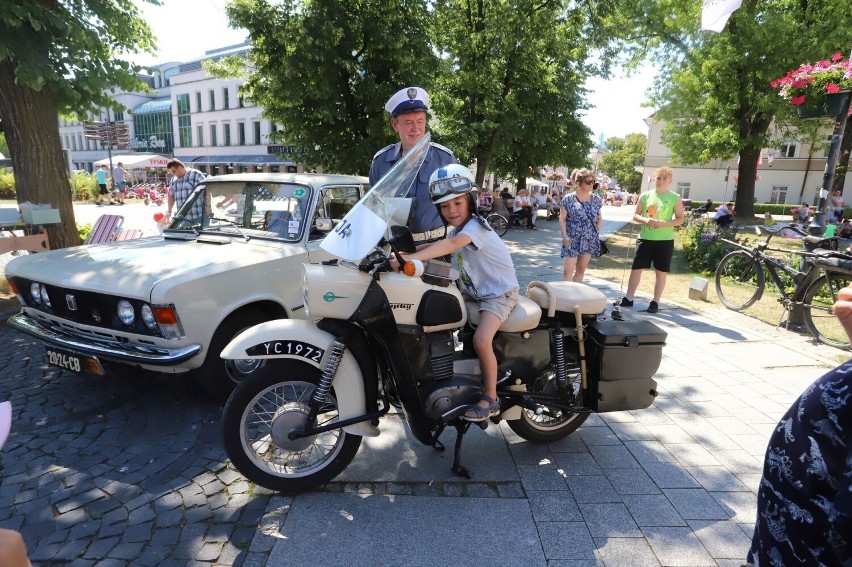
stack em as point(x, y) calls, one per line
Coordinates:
point(812, 243)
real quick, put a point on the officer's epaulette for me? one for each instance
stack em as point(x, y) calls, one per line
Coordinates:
point(440, 147)
point(383, 150)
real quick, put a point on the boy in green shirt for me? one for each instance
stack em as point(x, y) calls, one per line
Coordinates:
point(658, 211)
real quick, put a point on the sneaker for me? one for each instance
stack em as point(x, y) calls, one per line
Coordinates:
point(100, 204)
point(653, 307)
point(625, 302)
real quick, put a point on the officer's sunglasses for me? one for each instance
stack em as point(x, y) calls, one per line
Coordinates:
point(443, 187)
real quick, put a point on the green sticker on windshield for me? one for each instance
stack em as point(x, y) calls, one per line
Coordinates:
point(299, 193)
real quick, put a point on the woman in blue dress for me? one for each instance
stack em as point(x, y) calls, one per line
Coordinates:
point(580, 222)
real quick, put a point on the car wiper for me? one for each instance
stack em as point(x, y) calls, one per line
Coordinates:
point(245, 236)
point(181, 219)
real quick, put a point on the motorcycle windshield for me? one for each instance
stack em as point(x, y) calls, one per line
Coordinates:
point(387, 201)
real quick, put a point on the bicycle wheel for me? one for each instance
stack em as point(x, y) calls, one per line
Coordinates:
point(818, 310)
point(739, 280)
point(498, 223)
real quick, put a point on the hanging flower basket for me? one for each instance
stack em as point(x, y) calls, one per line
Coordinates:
point(818, 90)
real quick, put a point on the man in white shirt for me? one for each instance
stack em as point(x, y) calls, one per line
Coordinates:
point(522, 206)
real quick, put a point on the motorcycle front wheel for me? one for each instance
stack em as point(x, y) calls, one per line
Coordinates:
point(260, 414)
point(553, 423)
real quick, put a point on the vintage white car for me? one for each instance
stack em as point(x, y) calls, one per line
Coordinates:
point(231, 258)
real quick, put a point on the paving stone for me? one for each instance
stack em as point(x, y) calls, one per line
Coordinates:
point(141, 515)
point(99, 548)
point(138, 533)
point(614, 457)
point(671, 475)
point(553, 506)
point(573, 464)
point(542, 477)
point(718, 479)
point(592, 488)
point(695, 504)
point(626, 551)
point(566, 540)
point(631, 481)
point(609, 521)
point(722, 540)
point(677, 547)
point(652, 510)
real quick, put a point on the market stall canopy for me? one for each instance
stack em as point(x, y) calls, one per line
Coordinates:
point(535, 183)
point(136, 161)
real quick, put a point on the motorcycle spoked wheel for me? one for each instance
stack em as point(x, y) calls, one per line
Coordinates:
point(260, 413)
point(553, 423)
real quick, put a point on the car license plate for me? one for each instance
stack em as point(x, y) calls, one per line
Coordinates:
point(68, 360)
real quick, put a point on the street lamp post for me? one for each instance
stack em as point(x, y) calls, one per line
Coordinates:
point(817, 225)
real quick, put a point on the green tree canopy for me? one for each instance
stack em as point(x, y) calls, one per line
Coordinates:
point(621, 160)
point(512, 83)
point(324, 70)
point(714, 89)
point(60, 57)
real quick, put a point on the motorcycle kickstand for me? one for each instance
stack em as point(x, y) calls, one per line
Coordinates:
point(461, 429)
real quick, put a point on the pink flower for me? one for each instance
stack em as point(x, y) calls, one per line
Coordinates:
point(823, 64)
point(774, 84)
point(798, 84)
point(837, 57)
point(831, 88)
point(797, 100)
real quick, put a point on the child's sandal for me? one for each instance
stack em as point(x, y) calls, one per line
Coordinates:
point(482, 413)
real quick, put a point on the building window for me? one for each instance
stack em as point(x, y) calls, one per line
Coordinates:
point(778, 195)
point(225, 102)
point(213, 139)
point(241, 133)
point(199, 135)
point(788, 150)
point(73, 143)
point(683, 189)
point(184, 121)
point(256, 126)
point(240, 102)
point(118, 115)
point(212, 99)
point(226, 133)
point(198, 101)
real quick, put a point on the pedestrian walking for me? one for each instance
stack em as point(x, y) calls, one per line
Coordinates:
point(580, 221)
point(103, 192)
point(183, 183)
point(119, 178)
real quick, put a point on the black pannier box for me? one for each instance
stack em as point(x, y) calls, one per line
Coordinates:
point(624, 356)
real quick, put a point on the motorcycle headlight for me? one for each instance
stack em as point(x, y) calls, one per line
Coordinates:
point(125, 312)
point(148, 317)
point(35, 292)
point(44, 297)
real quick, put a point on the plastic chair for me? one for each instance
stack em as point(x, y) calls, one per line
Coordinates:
point(105, 229)
point(128, 234)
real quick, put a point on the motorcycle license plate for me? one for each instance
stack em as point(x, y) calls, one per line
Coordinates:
point(68, 360)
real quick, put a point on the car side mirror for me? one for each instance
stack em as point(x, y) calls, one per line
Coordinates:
point(324, 224)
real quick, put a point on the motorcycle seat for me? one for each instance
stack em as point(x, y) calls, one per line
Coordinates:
point(524, 316)
point(566, 296)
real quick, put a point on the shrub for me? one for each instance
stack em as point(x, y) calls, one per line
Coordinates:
point(7, 185)
point(701, 245)
point(83, 230)
point(86, 186)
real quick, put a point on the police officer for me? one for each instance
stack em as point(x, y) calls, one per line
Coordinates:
point(408, 109)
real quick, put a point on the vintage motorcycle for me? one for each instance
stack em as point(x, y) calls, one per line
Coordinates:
point(380, 339)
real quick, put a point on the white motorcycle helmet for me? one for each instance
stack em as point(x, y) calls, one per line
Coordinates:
point(451, 181)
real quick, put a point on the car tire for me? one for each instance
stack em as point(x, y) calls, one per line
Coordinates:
point(218, 377)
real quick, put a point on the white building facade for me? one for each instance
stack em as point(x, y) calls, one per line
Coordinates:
point(789, 174)
point(192, 116)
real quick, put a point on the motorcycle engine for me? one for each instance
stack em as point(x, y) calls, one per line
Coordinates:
point(452, 393)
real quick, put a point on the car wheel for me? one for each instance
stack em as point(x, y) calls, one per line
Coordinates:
point(219, 377)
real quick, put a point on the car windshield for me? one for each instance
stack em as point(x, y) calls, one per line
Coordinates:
point(246, 208)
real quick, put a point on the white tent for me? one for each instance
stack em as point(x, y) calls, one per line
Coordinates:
point(136, 161)
point(535, 183)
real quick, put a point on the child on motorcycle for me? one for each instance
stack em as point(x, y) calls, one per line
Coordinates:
point(486, 268)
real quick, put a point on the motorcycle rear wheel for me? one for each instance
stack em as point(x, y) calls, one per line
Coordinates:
point(546, 428)
point(260, 413)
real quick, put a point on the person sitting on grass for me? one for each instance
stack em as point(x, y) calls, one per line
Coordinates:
point(486, 268)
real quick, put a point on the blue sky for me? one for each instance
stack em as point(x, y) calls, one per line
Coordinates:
point(185, 29)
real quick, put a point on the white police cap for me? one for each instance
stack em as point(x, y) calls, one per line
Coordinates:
point(409, 99)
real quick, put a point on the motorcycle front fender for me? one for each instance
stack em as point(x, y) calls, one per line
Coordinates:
point(303, 341)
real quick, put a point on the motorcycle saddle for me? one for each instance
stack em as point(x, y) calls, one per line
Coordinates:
point(566, 297)
point(524, 316)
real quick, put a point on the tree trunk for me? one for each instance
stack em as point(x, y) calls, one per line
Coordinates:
point(747, 175)
point(843, 159)
point(32, 133)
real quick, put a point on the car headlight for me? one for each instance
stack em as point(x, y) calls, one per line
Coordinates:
point(125, 312)
point(148, 317)
point(44, 297)
point(35, 292)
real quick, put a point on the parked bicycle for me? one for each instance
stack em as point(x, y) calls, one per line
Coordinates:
point(820, 275)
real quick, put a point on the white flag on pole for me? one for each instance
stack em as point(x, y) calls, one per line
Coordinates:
point(715, 13)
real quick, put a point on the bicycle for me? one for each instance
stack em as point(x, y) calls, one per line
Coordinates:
point(741, 281)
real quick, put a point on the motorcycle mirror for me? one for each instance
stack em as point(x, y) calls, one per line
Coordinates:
point(402, 239)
